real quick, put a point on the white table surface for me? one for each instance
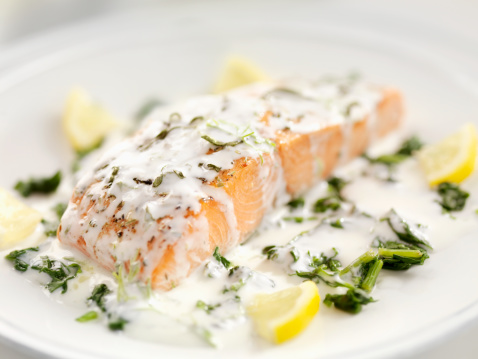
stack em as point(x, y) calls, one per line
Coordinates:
point(20, 19)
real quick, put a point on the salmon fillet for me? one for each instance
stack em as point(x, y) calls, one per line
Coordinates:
point(203, 173)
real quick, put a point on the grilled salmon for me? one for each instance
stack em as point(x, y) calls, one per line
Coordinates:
point(202, 174)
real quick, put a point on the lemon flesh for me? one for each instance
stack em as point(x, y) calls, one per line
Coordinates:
point(452, 159)
point(17, 220)
point(85, 123)
point(237, 72)
point(282, 315)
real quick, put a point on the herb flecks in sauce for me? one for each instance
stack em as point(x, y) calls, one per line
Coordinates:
point(60, 273)
point(221, 259)
point(18, 263)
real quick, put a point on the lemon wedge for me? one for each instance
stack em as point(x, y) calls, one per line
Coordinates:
point(17, 220)
point(282, 315)
point(85, 122)
point(452, 159)
point(237, 72)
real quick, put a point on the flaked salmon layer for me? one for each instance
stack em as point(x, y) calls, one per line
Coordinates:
point(203, 174)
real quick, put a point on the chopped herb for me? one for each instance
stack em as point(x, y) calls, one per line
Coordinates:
point(387, 160)
point(370, 275)
point(138, 181)
point(234, 287)
point(158, 180)
point(349, 108)
point(51, 228)
point(270, 252)
point(221, 259)
point(331, 263)
point(59, 272)
point(147, 108)
point(39, 185)
point(164, 133)
point(321, 273)
point(324, 204)
point(351, 302)
point(406, 150)
point(400, 256)
point(453, 198)
point(233, 270)
point(297, 202)
point(221, 144)
point(92, 315)
point(18, 263)
point(410, 146)
point(208, 308)
point(295, 254)
point(197, 118)
point(98, 296)
point(117, 324)
point(337, 223)
point(210, 166)
point(299, 219)
point(363, 259)
point(114, 173)
point(336, 185)
point(60, 208)
point(403, 230)
point(179, 174)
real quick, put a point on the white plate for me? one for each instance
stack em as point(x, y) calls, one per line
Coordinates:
point(174, 52)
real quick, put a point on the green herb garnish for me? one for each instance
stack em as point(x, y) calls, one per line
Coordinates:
point(98, 296)
point(220, 143)
point(39, 185)
point(403, 230)
point(299, 219)
point(453, 198)
point(51, 228)
point(91, 315)
point(59, 272)
point(297, 202)
point(326, 203)
point(270, 252)
point(406, 150)
point(338, 223)
point(351, 302)
point(18, 263)
point(117, 324)
point(208, 308)
point(221, 259)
